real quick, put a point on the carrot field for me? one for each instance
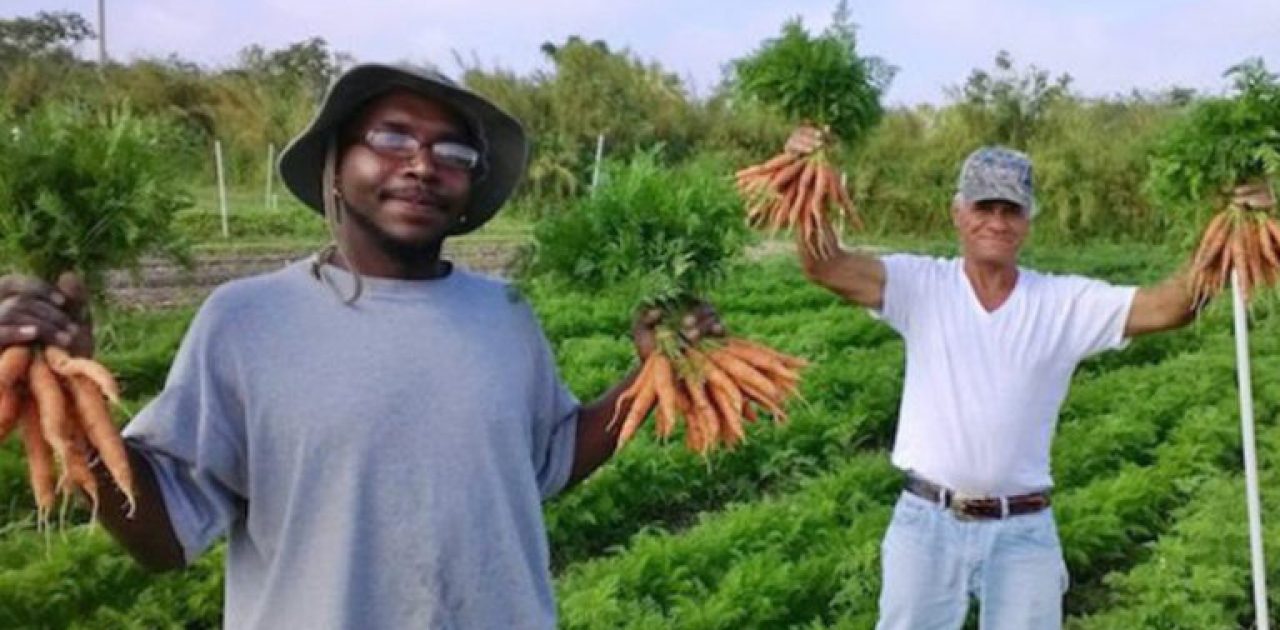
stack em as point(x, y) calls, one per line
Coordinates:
point(784, 530)
point(155, 180)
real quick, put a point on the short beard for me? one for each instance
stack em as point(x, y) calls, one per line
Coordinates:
point(407, 254)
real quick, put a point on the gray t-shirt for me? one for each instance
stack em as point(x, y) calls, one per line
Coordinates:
point(380, 465)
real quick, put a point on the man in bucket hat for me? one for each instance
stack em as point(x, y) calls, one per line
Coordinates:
point(991, 347)
point(374, 430)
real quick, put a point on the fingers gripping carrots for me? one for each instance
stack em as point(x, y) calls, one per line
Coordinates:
point(1245, 238)
point(801, 190)
point(60, 404)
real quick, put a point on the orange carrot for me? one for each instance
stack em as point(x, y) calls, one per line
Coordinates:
point(640, 407)
point(10, 410)
point(803, 196)
point(14, 362)
point(818, 201)
point(743, 374)
point(730, 422)
point(1225, 264)
point(1273, 227)
point(785, 359)
point(1253, 251)
point(787, 175)
point(663, 423)
point(766, 363)
point(664, 385)
point(1240, 259)
point(1215, 236)
point(705, 414)
point(777, 161)
point(75, 467)
point(631, 392)
point(51, 404)
point(39, 463)
point(101, 432)
point(718, 379)
point(67, 366)
point(693, 433)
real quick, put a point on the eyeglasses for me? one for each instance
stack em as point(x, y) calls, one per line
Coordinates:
point(449, 154)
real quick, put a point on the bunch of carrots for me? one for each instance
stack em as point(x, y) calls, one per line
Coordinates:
point(803, 193)
point(1245, 237)
point(59, 404)
point(712, 386)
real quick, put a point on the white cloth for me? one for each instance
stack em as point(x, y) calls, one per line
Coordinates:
point(983, 389)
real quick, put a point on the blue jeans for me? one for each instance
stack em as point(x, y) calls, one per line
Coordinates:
point(933, 563)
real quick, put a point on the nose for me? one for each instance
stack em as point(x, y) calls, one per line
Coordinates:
point(420, 164)
point(1000, 221)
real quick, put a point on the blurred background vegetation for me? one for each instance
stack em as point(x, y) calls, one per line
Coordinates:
point(1092, 154)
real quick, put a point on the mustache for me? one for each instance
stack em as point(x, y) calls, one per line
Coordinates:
point(415, 194)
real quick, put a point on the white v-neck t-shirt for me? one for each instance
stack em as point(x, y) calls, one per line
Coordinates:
point(983, 388)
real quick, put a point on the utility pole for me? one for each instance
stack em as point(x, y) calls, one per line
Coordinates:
point(102, 33)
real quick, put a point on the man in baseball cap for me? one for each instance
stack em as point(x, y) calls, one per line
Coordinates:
point(998, 173)
point(373, 431)
point(991, 347)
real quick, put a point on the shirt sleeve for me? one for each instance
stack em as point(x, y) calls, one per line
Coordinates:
point(1099, 312)
point(192, 435)
point(555, 420)
point(904, 280)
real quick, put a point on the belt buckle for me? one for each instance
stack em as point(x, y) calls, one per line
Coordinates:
point(960, 502)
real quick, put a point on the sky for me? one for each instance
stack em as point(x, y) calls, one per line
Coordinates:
point(1108, 47)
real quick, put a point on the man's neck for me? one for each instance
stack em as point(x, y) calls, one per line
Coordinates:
point(418, 263)
point(992, 283)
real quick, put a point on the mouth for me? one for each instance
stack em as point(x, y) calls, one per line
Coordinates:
point(419, 201)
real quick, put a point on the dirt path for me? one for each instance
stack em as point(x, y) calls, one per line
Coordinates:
point(161, 284)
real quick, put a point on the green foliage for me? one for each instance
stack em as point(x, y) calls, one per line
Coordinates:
point(1008, 105)
point(1091, 159)
point(669, 232)
point(86, 190)
point(816, 79)
point(1222, 142)
point(47, 35)
point(785, 531)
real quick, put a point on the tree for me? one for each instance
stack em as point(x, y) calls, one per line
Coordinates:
point(309, 64)
point(1009, 105)
point(46, 36)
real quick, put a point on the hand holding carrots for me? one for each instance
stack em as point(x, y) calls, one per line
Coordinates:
point(33, 311)
point(804, 140)
point(59, 400)
point(799, 189)
point(701, 321)
point(1245, 238)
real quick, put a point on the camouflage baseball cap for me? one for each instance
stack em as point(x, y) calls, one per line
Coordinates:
point(998, 173)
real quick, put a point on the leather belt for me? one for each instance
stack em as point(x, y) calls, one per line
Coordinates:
point(969, 508)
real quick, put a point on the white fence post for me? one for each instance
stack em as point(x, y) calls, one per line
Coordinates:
point(222, 187)
point(1245, 384)
point(271, 160)
point(595, 172)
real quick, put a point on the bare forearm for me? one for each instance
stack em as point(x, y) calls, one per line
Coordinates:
point(1166, 306)
point(596, 440)
point(856, 276)
point(148, 535)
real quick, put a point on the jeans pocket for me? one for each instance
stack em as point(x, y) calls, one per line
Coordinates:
point(910, 511)
point(1034, 530)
